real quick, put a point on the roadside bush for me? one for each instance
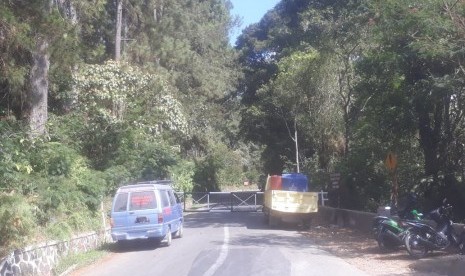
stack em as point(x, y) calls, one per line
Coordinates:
point(76, 222)
point(182, 174)
point(14, 156)
point(92, 185)
point(155, 160)
point(59, 230)
point(251, 163)
point(231, 172)
point(220, 167)
point(59, 197)
point(17, 221)
point(54, 158)
point(68, 206)
point(115, 176)
point(67, 129)
point(145, 157)
point(101, 140)
point(205, 175)
point(366, 181)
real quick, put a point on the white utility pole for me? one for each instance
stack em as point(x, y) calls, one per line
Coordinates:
point(296, 147)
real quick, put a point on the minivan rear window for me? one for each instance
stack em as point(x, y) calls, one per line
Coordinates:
point(142, 201)
point(121, 202)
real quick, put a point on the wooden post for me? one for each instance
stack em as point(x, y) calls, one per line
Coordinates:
point(391, 164)
point(395, 188)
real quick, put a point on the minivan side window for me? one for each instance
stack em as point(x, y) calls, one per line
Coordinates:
point(172, 198)
point(121, 202)
point(178, 200)
point(164, 198)
point(142, 201)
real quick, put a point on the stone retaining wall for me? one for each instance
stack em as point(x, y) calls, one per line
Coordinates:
point(42, 258)
point(347, 218)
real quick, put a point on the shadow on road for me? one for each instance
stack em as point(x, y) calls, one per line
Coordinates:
point(254, 222)
point(269, 239)
point(250, 220)
point(134, 245)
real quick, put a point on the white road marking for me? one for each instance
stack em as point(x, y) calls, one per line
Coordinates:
point(223, 254)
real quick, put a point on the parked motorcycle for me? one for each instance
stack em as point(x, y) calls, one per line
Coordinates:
point(422, 237)
point(390, 232)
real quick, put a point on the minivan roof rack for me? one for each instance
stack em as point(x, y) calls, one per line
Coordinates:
point(161, 182)
point(145, 185)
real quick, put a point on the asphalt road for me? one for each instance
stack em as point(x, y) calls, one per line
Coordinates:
point(225, 244)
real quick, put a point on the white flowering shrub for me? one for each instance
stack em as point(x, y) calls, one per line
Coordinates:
point(173, 110)
point(118, 92)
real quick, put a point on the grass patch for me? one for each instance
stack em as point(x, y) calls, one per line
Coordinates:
point(81, 260)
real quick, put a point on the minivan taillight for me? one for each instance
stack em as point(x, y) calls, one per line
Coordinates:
point(112, 223)
point(160, 218)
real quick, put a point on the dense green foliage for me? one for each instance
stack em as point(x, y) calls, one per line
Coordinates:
point(387, 77)
point(158, 113)
point(324, 86)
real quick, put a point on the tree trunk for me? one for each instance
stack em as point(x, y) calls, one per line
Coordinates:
point(69, 11)
point(38, 97)
point(428, 144)
point(119, 16)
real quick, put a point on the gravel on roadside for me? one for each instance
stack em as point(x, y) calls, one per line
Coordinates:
point(361, 250)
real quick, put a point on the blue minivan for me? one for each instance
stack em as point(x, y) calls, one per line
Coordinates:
point(147, 210)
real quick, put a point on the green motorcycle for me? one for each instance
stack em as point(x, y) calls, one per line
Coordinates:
point(390, 232)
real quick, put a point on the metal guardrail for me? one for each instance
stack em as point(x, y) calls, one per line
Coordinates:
point(222, 201)
point(244, 201)
point(322, 198)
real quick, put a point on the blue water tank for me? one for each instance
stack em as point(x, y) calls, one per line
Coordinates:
point(294, 182)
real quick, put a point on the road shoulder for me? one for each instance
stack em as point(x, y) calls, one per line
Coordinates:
point(361, 250)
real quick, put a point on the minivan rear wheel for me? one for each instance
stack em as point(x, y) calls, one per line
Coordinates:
point(180, 231)
point(168, 237)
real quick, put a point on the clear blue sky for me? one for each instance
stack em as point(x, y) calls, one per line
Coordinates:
point(250, 11)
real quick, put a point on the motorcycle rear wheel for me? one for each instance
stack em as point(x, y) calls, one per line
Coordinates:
point(414, 246)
